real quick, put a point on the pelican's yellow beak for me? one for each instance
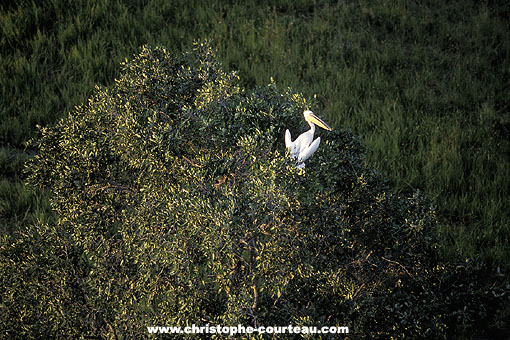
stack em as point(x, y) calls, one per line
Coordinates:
point(317, 121)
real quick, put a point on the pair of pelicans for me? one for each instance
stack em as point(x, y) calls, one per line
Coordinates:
point(304, 146)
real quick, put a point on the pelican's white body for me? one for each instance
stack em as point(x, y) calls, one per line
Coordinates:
point(304, 146)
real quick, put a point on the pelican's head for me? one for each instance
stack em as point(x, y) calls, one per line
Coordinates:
point(310, 117)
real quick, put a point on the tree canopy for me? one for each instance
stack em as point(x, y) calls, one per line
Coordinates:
point(177, 203)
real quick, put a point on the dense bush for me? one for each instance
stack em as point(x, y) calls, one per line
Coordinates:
point(177, 204)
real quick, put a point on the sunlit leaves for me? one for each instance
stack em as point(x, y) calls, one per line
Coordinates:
point(178, 204)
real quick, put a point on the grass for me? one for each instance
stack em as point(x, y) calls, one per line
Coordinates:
point(424, 83)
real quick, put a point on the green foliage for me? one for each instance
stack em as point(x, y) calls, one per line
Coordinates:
point(177, 204)
point(424, 83)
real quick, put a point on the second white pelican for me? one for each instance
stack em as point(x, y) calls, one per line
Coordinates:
point(304, 146)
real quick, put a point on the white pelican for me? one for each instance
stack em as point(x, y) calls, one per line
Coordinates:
point(302, 148)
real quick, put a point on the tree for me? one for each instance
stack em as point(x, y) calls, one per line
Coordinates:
point(177, 204)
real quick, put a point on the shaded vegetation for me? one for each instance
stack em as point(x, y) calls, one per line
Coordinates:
point(176, 203)
point(423, 83)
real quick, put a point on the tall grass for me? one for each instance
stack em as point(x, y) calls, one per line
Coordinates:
point(424, 83)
